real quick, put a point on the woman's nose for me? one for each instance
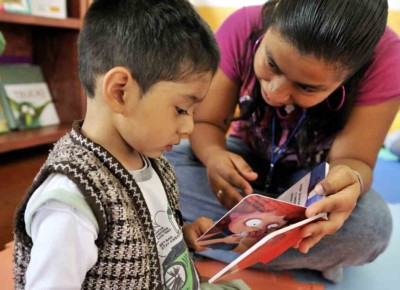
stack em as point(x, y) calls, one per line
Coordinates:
point(279, 89)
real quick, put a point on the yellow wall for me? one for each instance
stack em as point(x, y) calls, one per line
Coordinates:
point(396, 123)
point(394, 20)
point(214, 15)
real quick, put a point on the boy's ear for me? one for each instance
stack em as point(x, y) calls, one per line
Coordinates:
point(116, 84)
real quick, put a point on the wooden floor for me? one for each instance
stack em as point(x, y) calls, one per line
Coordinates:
point(17, 170)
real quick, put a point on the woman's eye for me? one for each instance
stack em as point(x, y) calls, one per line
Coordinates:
point(307, 89)
point(272, 65)
point(181, 111)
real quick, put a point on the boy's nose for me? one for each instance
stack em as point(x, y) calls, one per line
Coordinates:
point(279, 89)
point(187, 125)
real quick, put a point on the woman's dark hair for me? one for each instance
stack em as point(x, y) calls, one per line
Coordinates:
point(343, 32)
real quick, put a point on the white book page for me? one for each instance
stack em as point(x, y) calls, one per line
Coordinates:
point(300, 193)
point(297, 193)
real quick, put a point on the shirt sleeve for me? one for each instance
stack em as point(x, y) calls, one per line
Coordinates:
point(63, 230)
point(63, 249)
point(381, 81)
point(233, 37)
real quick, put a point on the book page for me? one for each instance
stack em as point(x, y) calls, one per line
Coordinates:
point(301, 193)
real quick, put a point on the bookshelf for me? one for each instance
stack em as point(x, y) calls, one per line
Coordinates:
point(69, 23)
point(51, 44)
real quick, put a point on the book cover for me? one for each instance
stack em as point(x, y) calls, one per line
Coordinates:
point(3, 120)
point(3, 41)
point(25, 97)
point(262, 228)
point(16, 6)
point(49, 8)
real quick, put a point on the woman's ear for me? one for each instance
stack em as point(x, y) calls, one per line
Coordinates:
point(116, 84)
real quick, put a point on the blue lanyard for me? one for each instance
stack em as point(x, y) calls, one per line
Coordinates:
point(281, 150)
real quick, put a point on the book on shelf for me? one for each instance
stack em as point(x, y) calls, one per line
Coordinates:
point(17, 6)
point(2, 41)
point(3, 120)
point(26, 98)
point(49, 8)
point(262, 228)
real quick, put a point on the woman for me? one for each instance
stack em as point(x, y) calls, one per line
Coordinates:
point(315, 80)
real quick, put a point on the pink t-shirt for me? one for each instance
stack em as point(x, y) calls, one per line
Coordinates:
point(380, 83)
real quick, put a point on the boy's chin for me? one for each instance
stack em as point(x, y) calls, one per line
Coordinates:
point(154, 154)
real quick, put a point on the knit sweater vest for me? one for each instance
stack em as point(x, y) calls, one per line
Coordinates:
point(127, 250)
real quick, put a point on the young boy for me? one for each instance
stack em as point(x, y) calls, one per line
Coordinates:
point(102, 212)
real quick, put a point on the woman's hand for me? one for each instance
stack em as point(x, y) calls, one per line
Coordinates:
point(191, 232)
point(342, 189)
point(227, 172)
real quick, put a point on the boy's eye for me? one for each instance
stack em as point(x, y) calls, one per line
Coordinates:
point(181, 111)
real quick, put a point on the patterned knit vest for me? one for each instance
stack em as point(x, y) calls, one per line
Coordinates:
point(127, 250)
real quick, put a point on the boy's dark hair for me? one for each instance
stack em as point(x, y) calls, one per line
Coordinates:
point(157, 40)
point(342, 32)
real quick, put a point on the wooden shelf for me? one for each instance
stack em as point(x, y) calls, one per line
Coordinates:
point(50, 43)
point(33, 137)
point(26, 19)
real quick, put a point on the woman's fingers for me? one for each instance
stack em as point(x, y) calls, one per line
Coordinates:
point(339, 177)
point(244, 169)
point(343, 201)
point(228, 175)
point(314, 232)
point(227, 195)
point(240, 174)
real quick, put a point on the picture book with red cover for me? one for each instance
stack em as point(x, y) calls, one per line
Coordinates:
point(262, 228)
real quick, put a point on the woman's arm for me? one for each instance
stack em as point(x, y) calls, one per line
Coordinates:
point(219, 105)
point(226, 171)
point(355, 149)
point(358, 145)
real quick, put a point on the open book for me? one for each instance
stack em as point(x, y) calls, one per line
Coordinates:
point(262, 228)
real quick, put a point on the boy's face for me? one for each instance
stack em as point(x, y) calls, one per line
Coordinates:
point(154, 122)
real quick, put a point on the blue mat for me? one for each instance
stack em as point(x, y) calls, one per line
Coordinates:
point(384, 272)
point(387, 177)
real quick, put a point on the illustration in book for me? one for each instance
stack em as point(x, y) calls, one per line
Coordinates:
point(261, 227)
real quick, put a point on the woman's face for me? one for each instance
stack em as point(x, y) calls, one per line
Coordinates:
point(288, 77)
